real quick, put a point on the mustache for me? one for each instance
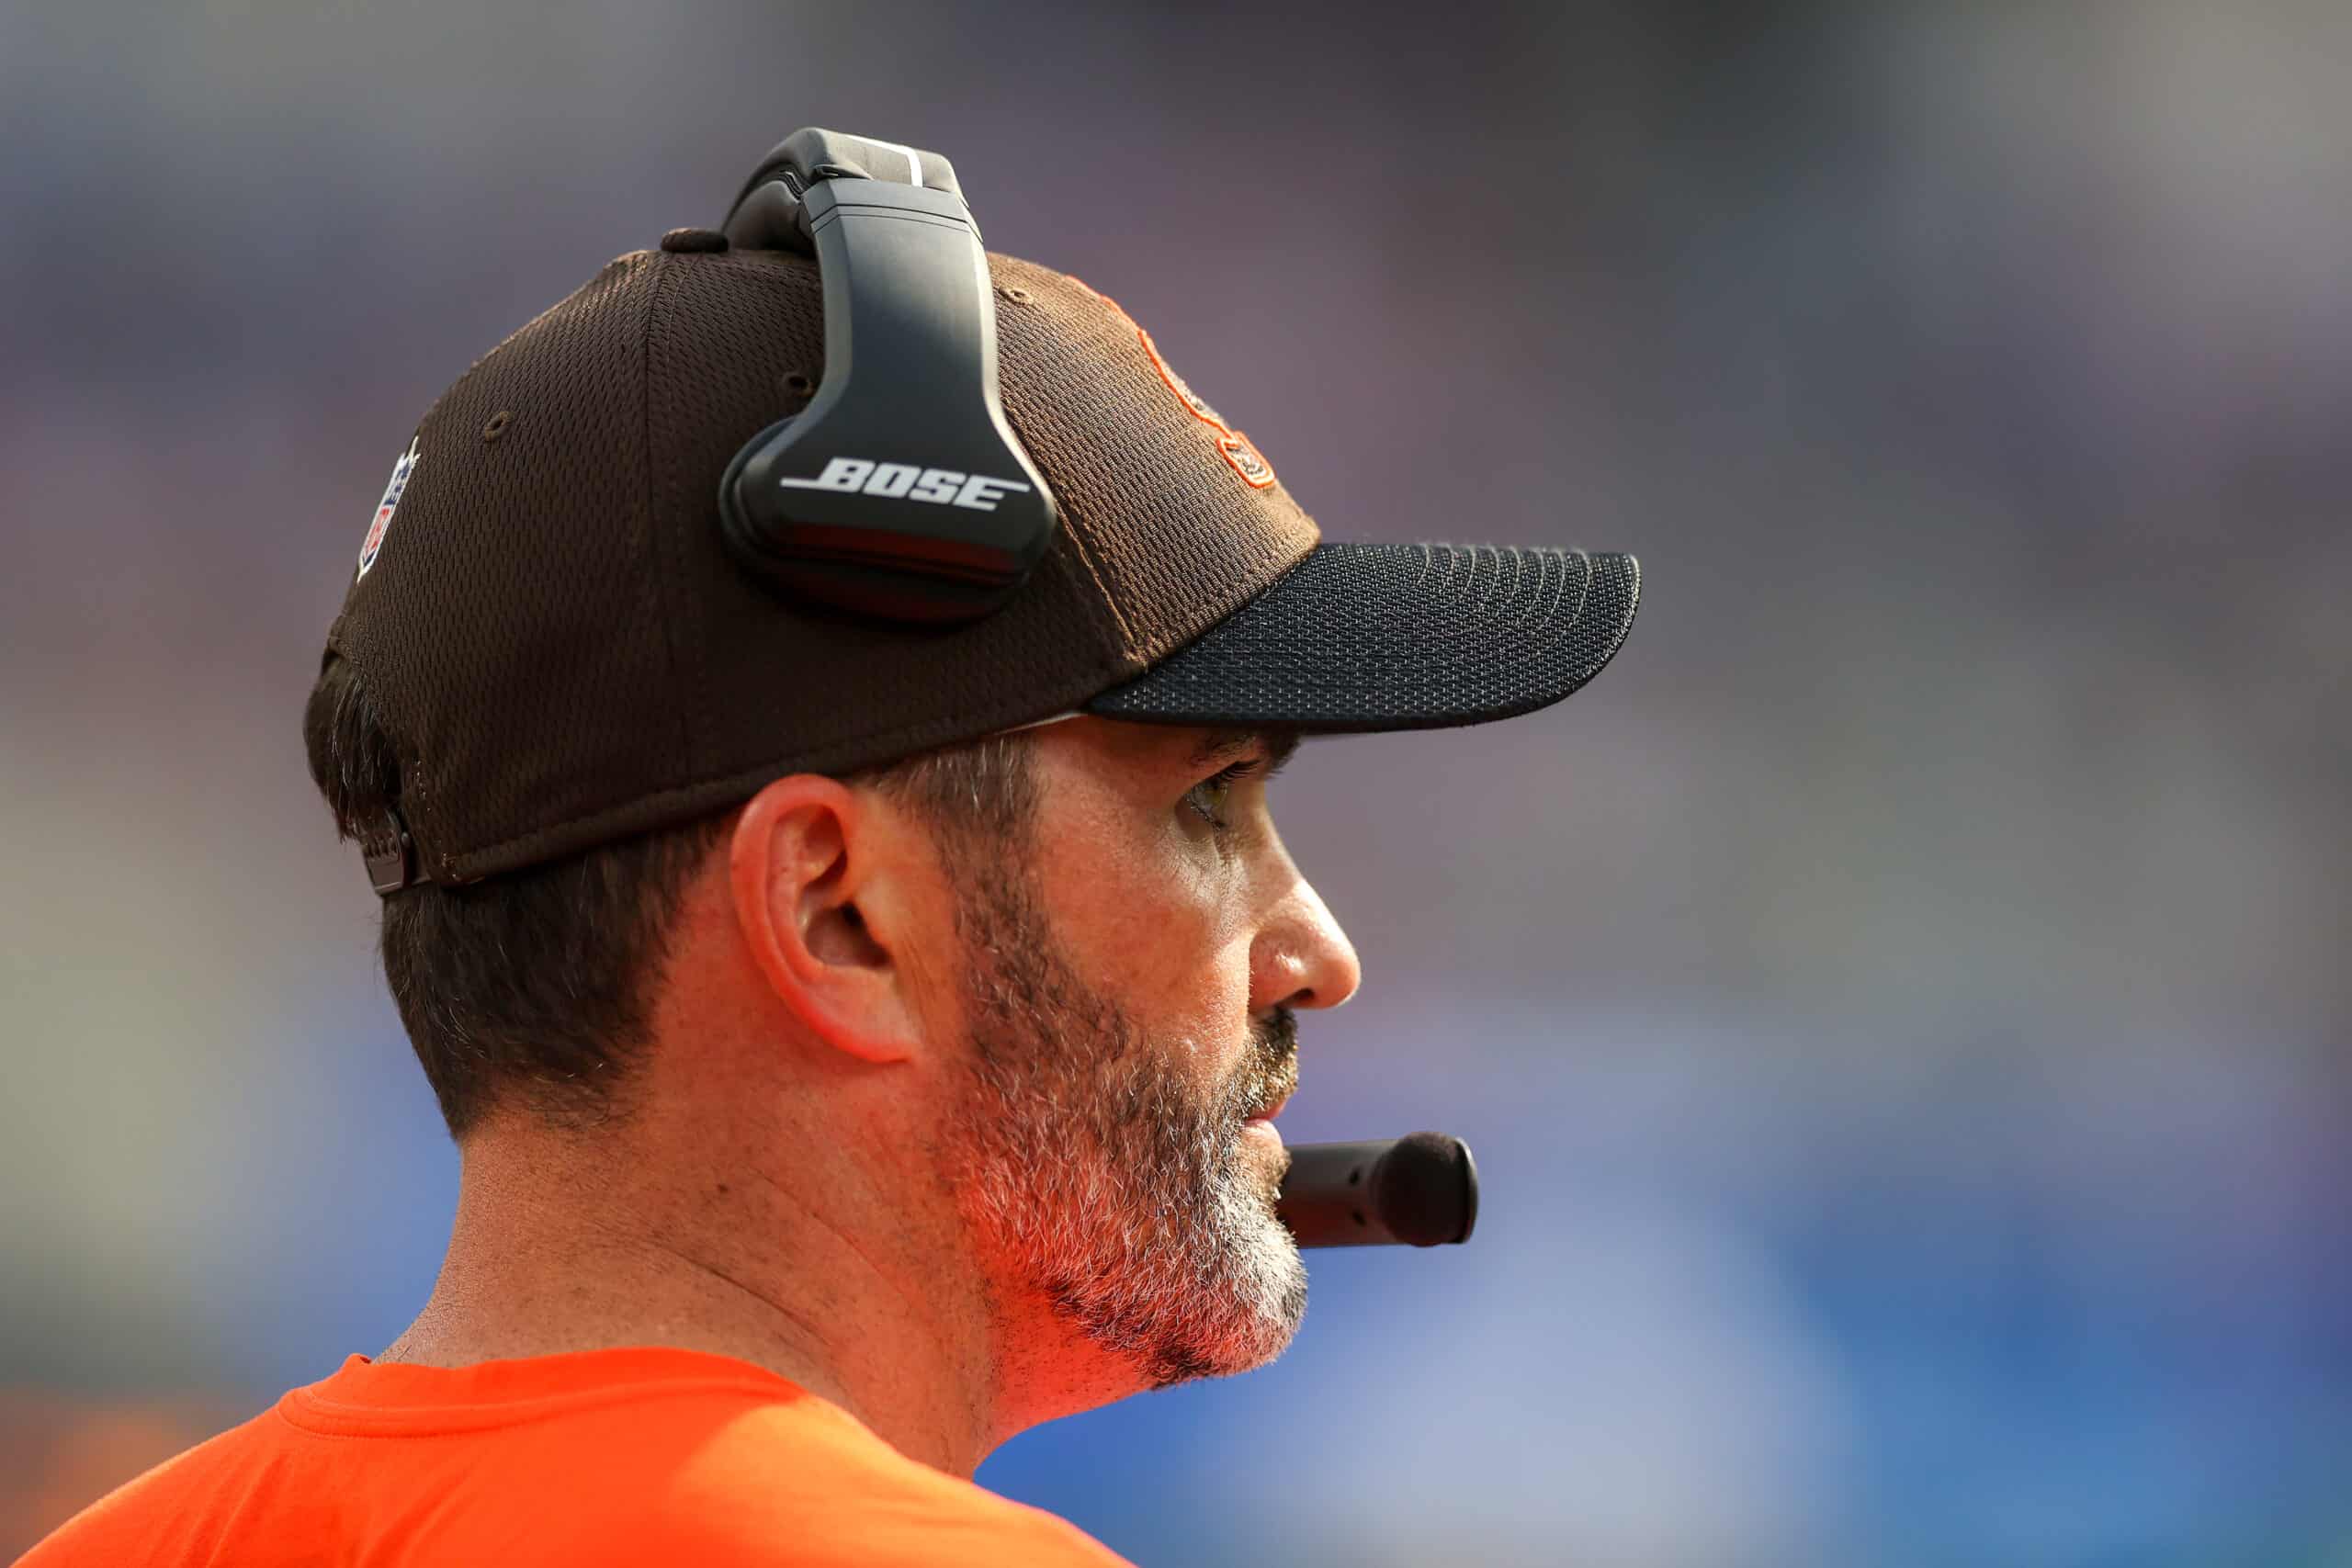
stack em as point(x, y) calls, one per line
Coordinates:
point(1271, 1074)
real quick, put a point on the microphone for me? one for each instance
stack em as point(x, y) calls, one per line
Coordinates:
point(1421, 1190)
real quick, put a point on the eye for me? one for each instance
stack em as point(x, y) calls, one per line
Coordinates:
point(1212, 795)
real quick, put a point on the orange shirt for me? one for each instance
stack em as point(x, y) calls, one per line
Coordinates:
point(638, 1456)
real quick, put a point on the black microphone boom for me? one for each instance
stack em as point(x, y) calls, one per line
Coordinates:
point(1421, 1190)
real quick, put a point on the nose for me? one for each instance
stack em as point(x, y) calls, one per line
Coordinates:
point(1301, 957)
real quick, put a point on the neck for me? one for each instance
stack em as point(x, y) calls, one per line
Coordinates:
point(569, 1242)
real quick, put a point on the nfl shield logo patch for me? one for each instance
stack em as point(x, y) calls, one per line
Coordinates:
point(384, 509)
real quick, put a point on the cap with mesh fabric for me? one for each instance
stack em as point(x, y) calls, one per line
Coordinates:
point(564, 652)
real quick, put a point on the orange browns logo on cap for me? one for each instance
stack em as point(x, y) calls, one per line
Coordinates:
point(1231, 444)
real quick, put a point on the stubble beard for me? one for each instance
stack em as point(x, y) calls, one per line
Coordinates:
point(1114, 1187)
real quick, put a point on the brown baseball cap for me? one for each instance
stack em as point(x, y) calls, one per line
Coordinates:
point(565, 653)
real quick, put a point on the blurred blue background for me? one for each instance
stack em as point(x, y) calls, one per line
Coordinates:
point(1901, 1010)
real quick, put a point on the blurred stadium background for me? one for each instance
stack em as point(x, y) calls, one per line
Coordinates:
point(1901, 1012)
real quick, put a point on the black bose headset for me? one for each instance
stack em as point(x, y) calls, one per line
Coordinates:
point(900, 492)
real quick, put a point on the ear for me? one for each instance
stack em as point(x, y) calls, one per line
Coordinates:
point(805, 850)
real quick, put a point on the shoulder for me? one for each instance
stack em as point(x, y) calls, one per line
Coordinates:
point(169, 1513)
point(808, 1485)
point(724, 1477)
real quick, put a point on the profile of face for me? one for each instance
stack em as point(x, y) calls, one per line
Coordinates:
point(1130, 973)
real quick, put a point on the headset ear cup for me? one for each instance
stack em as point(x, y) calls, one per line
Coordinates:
point(758, 540)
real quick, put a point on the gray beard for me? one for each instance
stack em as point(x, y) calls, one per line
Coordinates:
point(1113, 1186)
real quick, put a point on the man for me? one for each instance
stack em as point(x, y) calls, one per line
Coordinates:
point(863, 1041)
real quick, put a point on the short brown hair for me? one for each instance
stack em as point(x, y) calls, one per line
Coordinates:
point(537, 987)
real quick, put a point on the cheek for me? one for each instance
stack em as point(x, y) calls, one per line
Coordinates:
point(1157, 921)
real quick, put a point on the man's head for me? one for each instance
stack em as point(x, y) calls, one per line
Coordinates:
point(746, 799)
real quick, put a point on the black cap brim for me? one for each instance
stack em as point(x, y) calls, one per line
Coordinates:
point(1397, 636)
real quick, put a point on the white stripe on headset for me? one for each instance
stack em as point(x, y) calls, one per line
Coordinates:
point(914, 161)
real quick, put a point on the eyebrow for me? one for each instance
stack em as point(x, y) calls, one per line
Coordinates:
point(1223, 746)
